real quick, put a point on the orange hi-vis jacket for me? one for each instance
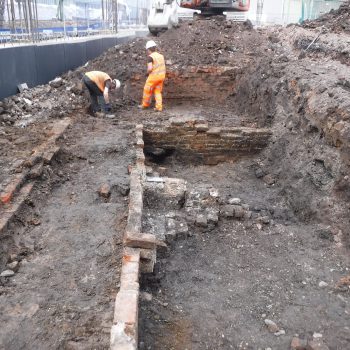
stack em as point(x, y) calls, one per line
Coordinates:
point(99, 78)
point(158, 67)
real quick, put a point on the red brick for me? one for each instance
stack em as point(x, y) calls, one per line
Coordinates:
point(142, 240)
point(120, 340)
point(131, 254)
point(11, 188)
point(129, 277)
point(50, 153)
point(130, 267)
point(7, 213)
point(126, 307)
point(146, 241)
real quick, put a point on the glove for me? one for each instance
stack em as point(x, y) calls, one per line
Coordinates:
point(108, 107)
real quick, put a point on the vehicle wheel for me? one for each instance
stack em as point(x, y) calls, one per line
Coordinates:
point(198, 16)
point(153, 31)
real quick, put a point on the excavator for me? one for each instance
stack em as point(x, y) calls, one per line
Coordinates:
point(163, 14)
point(216, 7)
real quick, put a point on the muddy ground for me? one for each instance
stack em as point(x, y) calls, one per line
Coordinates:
point(67, 241)
point(214, 289)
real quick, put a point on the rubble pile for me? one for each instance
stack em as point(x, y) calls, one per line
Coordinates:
point(336, 20)
point(208, 42)
point(212, 42)
point(54, 100)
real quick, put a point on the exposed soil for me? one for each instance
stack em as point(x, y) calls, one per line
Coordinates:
point(336, 20)
point(213, 289)
point(68, 243)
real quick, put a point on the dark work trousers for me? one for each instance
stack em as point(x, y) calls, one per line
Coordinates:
point(95, 94)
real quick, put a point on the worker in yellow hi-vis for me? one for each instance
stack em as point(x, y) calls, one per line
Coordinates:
point(156, 75)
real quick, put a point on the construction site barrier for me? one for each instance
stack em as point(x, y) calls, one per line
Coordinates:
point(39, 63)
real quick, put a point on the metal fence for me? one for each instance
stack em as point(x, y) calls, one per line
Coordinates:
point(8, 38)
point(24, 21)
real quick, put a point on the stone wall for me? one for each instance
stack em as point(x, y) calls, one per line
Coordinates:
point(194, 140)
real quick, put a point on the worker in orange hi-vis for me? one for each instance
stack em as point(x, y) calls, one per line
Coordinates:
point(156, 75)
point(99, 84)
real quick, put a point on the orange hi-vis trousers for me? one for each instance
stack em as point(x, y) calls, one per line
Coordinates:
point(153, 86)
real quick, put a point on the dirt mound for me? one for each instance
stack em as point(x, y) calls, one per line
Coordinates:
point(336, 20)
point(205, 42)
point(208, 42)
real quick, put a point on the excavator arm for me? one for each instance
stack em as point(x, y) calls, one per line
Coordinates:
point(163, 13)
point(214, 7)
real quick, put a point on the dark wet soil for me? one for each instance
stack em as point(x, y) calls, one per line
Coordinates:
point(214, 289)
point(68, 244)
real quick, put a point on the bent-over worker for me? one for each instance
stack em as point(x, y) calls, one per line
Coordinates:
point(156, 75)
point(99, 84)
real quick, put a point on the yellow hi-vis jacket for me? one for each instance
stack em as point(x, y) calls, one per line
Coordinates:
point(158, 67)
point(99, 78)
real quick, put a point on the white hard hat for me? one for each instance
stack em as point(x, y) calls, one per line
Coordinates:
point(116, 83)
point(150, 44)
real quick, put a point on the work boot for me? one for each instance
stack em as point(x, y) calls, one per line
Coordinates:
point(141, 107)
point(157, 110)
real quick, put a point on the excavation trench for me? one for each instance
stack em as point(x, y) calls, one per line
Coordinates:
point(240, 183)
point(245, 243)
point(237, 252)
point(190, 142)
point(66, 242)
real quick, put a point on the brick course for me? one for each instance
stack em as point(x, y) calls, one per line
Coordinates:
point(139, 255)
point(193, 140)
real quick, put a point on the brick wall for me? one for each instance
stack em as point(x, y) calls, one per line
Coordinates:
point(191, 83)
point(194, 140)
